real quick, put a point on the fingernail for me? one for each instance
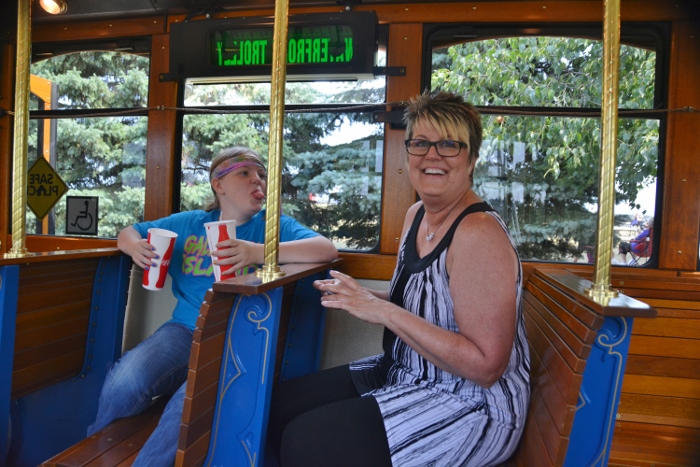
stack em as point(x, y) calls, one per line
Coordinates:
point(154, 265)
point(156, 257)
point(146, 268)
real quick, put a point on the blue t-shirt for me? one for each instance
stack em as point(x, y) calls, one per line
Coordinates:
point(191, 269)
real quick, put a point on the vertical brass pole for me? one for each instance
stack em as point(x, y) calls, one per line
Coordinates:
point(21, 141)
point(270, 269)
point(601, 289)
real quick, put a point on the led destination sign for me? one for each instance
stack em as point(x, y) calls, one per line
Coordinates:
point(306, 45)
point(319, 46)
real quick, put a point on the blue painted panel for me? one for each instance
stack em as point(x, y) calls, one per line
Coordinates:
point(302, 351)
point(54, 418)
point(9, 280)
point(592, 432)
point(245, 384)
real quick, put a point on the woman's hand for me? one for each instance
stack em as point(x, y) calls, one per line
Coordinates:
point(345, 293)
point(238, 253)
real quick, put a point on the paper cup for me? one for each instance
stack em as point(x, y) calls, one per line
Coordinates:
point(164, 242)
point(218, 232)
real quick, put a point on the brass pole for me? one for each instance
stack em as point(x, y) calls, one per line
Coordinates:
point(21, 141)
point(270, 269)
point(601, 289)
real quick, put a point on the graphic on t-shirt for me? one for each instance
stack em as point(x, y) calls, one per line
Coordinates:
point(195, 257)
point(196, 260)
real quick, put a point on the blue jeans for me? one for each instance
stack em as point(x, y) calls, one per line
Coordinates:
point(155, 367)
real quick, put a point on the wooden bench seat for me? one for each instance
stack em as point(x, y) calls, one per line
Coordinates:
point(61, 316)
point(241, 312)
point(658, 420)
point(115, 445)
point(574, 389)
point(577, 348)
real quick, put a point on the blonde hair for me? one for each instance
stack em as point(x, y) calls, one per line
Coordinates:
point(236, 153)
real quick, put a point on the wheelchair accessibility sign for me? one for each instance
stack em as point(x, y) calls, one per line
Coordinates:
point(81, 215)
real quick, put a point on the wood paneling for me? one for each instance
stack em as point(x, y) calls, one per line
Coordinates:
point(161, 167)
point(560, 332)
point(364, 266)
point(86, 30)
point(640, 446)
point(678, 248)
point(7, 101)
point(53, 311)
point(57, 244)
point(405, 50)
point(659, 411)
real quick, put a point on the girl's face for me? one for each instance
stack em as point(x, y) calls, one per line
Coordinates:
point(241, 192)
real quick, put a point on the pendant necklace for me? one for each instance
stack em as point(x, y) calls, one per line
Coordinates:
point(430, 234)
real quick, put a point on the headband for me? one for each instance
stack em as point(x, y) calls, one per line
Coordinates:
point(229, 165)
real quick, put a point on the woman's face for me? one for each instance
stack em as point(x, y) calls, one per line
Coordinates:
point(243, 189)
point(435, 176)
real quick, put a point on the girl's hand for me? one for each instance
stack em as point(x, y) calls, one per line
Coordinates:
point(238, 253)
point(143, 254)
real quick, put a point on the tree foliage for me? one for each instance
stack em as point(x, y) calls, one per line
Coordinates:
point(541, 171)
point(97, 156)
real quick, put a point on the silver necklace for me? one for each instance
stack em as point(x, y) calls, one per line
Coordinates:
point(430, 234)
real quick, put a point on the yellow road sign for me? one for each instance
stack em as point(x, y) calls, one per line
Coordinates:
point(44, 188)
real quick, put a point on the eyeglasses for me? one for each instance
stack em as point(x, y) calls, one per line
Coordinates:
point(444, 148)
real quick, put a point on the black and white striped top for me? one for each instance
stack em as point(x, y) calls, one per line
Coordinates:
point(431, 416)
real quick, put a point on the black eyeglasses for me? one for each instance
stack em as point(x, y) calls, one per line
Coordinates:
point(444, 148)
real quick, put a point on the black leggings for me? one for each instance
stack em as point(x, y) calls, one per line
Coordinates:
point(321, 420)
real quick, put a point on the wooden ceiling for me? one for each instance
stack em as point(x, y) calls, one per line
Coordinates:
point(84, 10)
point(113, 9)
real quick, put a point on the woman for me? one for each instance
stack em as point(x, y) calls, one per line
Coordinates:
point(639, 246)
point(452, 386)
point(158, 365)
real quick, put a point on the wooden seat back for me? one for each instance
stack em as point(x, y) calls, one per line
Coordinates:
point(205, 364)
point(53, 319)
point(563, 325)
point(62, 315)
point(225, 326)
point(560, 333)
point(658, 420)
point(119, 443)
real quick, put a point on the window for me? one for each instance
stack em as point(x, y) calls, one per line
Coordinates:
point(88, 121)
point(332, 157)
point(540, 96)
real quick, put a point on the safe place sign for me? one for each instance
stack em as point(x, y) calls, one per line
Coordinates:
point(44, 188)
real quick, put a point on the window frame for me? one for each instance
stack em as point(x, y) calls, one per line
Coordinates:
point(649, 35)
point(382, 36)
point(41, 51)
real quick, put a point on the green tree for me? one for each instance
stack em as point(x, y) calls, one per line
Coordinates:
point(343, 173)
point(96, 155)
point(553, 158)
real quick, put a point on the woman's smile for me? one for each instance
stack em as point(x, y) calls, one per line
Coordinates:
point(434, 171)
